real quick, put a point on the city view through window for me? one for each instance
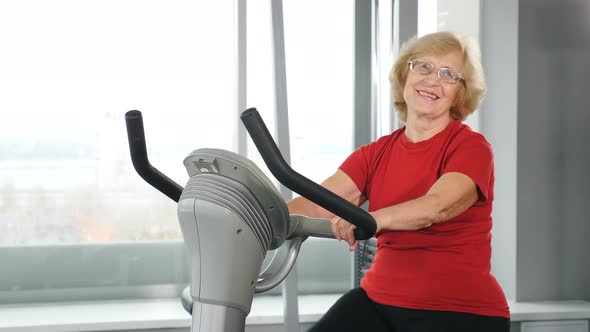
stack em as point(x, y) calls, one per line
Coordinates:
point(70, 71)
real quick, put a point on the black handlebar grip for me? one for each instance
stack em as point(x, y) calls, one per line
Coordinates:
point(137, 148)
point(366, 225)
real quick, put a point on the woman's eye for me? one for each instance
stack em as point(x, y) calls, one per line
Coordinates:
point(424, 68)
point(447, 73)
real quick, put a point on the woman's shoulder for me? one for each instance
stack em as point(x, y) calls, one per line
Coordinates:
point(464, 134)
point(465, 141)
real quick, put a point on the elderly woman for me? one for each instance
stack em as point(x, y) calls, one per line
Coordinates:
point(430, 187)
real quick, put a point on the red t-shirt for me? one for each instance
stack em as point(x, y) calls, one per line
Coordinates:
point(445, 266)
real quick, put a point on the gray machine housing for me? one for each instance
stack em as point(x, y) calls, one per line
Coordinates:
point(230, 215)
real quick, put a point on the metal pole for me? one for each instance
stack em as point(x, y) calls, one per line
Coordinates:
point(362, 72)
point(376, 117)
point(290, 301)
point(241, 88)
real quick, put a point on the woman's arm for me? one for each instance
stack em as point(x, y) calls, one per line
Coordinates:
point(340, 184)
point(451, 195)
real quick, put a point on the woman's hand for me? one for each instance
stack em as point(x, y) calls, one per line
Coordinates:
point(343, 230)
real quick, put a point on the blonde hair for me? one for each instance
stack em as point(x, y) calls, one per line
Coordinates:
point(473, 87)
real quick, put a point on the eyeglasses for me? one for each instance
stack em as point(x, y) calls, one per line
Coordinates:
point(424, 68)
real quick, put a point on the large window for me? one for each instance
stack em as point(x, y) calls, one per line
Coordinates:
point(70, 70)
point(319, 69)
point(75, 215)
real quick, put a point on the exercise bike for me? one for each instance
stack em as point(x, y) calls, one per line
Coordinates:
point(231, 215)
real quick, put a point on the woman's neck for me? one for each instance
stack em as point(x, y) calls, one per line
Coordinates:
point(422, 128)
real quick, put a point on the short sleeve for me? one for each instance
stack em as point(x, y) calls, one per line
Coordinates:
point(362, 163)
point(356, 166)
point(474, 158)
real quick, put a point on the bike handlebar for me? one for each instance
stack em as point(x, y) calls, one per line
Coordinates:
point(137, 148)
point(366, 225)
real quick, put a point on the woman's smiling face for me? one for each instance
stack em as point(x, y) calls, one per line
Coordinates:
point(429, 96)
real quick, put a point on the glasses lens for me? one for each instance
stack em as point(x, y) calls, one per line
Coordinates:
point(448, 75)
point(421, 67)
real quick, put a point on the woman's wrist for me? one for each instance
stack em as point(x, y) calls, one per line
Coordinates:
point(379, 220)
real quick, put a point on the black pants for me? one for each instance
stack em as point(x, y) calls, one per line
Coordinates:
point(356, 312)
